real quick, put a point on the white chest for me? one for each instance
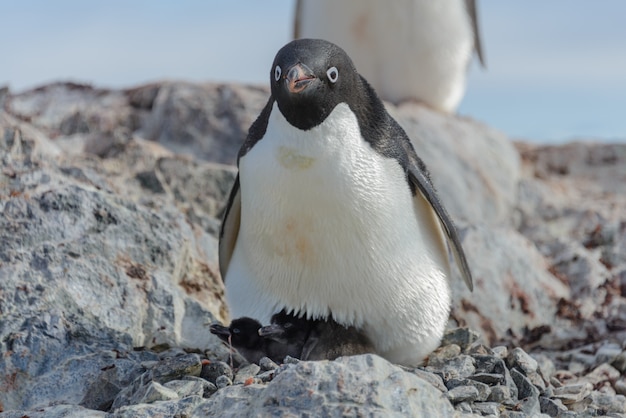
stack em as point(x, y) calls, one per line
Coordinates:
point(330, 226)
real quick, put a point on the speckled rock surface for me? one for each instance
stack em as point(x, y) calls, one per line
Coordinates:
point(110, 204)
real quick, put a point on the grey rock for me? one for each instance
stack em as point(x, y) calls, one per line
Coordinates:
point(208, 388)
point(245, 373)
point(620, 386)
point(172, 368)
point(439, 357)
point(215, 369)
point(148, 385)
point(488, 378)
point(431, 378)
point(355, 385)
point(176, 408)
point(462, 337)
point(530, 406)
point(266, 376)
point(525, 388)
point(462, 394)
point(608, 353)
point(519, 359)
point(482, 186)
point(487, 408)
point(546, 366)
point(513, 268)
point(499, 367)
point(151, 392)
point(56, 411)
point(483, 390)
point(574, 392)
point(223, 381)
point(551, 407)
point(487, 364)
point(601, 374)
point(620, 362)
point(67, 239)
point(291, 360)
point(608, 404)
point(267, 364)
point(464, 407)
point(458, 368)
point(479, 350)
point(92, 205)
point(499, 393)
point(500, 351)
point(185, 388)
point(209, 121)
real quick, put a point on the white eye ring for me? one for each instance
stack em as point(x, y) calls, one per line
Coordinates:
point(333, 74)
point(277, 72)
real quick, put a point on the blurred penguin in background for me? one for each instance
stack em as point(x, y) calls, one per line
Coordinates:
point(409, 50)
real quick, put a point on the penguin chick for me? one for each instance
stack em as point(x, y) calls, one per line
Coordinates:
point(316, 339)
point(243, 335)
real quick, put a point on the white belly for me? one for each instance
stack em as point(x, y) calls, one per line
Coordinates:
point(407, 49)
point(329, 226)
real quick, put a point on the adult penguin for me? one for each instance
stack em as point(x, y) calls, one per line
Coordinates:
point(333, 213)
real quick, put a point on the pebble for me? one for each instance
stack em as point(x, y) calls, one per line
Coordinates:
point(433, 379)
point(483, 389)
point(552, 407)
point(439, 357)
point(462, 393)
point(620, 362)
point(499, 393)
point(486, 408)
point(246, 372)
point(500, 351)
point(574, 392)
point(603, 373)
point(216, 369)
point(488, 378)
point(222, 381)
point(267, 364)
point(458, 368)
point(519, 359)
point(525, 388)
point(477, 380)
point(462, 337)
point(607, 353)
point(620, 386)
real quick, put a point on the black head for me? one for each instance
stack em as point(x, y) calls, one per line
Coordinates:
point(309, 77)
point(243, 332)
point(287, 328)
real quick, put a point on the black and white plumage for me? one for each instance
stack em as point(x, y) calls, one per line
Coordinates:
point(333, 213)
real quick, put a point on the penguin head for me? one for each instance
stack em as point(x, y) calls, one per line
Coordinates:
point(286, 328)
point(309, 77)
point(242, 332)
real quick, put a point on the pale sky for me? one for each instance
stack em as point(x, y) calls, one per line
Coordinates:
point(556, 69)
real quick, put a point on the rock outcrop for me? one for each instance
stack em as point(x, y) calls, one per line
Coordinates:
point(110, 203)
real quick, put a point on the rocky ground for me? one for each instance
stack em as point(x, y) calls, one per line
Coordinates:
point(110, 204)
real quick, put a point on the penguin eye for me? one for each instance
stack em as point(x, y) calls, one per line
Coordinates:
point(235, 331)
point(277, 72)
point(333, 74)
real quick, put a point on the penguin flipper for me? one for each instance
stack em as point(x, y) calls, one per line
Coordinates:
point(426, 189)
point(473, 16)
point(230, 228)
